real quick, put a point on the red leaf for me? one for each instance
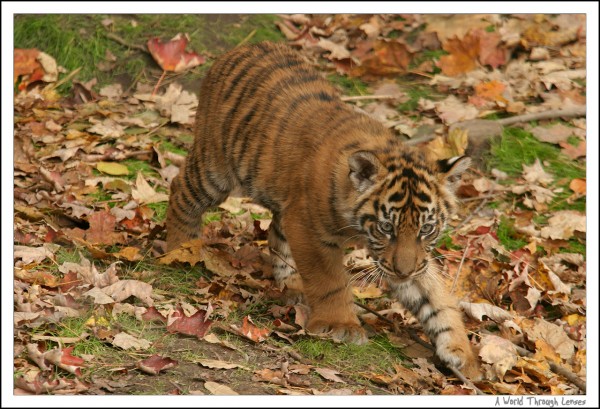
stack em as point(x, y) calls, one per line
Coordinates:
point(171, 55)
point(152, 314)
point(155, 364)
point(195, 325)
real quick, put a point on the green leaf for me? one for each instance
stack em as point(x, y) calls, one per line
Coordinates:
point(112, 168)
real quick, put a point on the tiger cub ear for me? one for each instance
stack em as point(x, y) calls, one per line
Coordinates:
point(364, 167)
point(453, 168)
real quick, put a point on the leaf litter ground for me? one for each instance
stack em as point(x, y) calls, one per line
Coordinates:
point(101, 309)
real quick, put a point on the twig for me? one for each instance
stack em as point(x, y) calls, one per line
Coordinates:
point(366, 97)
point(65, 79)
point(119, 40)
point(557, 369)
point(248, 37)
point(554, 113)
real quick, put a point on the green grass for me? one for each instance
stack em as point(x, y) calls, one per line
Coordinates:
point(80, 40)
point(518, 147)
point(160, 211)
point(348, 85)
point(415, 92)
point(508, 236)
point(377, 355)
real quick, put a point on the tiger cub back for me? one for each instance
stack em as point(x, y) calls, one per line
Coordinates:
point(272, 127)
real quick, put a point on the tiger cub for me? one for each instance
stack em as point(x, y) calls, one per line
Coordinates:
point(272, 127)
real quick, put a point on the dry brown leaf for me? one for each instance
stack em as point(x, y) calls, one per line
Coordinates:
point(479, 310)
point(155, 364)
point(123, 289)
point(219, 389)
point(550, 333)
point(329, 374)
point(499, 352)
point(143, 193)
point(536, 174)
point(126, 341)
point(563, 225)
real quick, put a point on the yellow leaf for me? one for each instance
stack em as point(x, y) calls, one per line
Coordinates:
point(458, 140)
point(370, 291)
point(112, 168)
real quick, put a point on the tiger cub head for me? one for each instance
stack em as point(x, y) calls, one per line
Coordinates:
point(402, 203)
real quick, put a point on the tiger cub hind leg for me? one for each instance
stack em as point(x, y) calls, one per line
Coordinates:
point(188, 200)
point(438, 313)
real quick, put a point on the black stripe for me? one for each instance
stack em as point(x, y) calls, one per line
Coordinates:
point(331, 293)
point(424, 197)
point(329, 244)
point(433, 334)
point(249, 63)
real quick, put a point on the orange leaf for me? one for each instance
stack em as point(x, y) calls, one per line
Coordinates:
point(491, 90)
point(463, 55)
point(578, 186)
point(251, 331)
point(171, 55)
point(27, 66)
point(387, 58)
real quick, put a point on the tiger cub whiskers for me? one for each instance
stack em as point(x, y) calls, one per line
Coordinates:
point(270, 126)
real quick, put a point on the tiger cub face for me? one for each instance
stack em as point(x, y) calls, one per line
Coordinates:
point(403, 206)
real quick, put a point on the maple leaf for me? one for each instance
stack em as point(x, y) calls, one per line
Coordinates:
point(499, 352)
point(386, 58)
point(126, 341)
point(101, 230)
point(171, 55)
point(463, 55)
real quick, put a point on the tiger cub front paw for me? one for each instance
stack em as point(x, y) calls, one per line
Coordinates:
point(459, 354)
point(351, 332)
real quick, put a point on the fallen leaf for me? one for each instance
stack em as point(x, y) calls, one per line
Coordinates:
point(196, 325)
point(578, 186)
point(101, 230)
point(536, 174)
point(251, 331)
point(479, 310)
point(123, 289)
point(143, 193)
point(574, 152)
point(155, 364)
point(552, 134)
point(365, 292)
point(499, 352)
point(219, 389)
point(30, 255)
point(126, 341)
point(550, 333)
point(112, 168)
point(452, 110)
point(329, 374)
point(462, 56)
point(563, 224)
point(216, 364)
point(171, 55)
